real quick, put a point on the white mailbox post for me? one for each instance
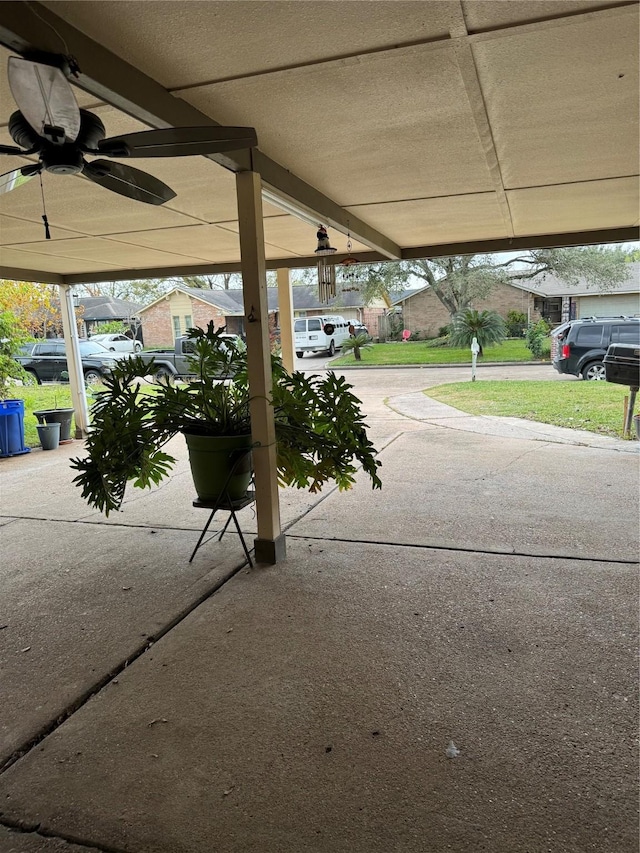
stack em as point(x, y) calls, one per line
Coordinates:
point(475, 349)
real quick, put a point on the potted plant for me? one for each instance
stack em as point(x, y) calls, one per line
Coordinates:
point(11, 410)
point(58, 415)
point(320, 429)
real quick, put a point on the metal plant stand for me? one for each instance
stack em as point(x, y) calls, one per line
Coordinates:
point(225, 503)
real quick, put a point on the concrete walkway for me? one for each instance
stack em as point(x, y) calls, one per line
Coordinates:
point(419, 406)
point(445, 665)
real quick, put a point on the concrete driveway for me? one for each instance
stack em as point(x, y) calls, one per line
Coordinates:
point(447, 664)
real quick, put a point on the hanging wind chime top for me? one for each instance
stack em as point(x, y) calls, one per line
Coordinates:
point(324, 247)
point(326, 269)
point(349, 274)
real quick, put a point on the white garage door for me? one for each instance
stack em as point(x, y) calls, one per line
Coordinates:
point(609, 305)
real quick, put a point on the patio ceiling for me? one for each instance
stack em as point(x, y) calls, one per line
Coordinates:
point(422, 127)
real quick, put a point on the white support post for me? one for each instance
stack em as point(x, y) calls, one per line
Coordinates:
point(270, 543)
point(285, 307)
point(74, 361)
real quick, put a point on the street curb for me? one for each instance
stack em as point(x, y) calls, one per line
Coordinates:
point(465, 365)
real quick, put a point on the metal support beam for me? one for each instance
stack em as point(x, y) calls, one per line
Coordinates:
point(42, 277)
point(288, 192)
point(517, 244)
point(540, 241)
point(74, 361)
point(270, 544)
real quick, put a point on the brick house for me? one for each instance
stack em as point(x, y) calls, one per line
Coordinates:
point(97, 310)
point(548, 297)
point(169, 316)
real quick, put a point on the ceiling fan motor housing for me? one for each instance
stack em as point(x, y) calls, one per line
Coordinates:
point(62, 159)
point(22, 133)
point(91, 131)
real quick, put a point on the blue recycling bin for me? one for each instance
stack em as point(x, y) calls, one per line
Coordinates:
point(12, 428)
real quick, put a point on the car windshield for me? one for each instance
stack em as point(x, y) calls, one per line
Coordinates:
point(93, 348)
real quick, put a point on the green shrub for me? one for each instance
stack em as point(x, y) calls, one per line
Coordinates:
point(536, 338)
point(516, 324)
point(12, 336)
point(395, 326)
point(112, 327)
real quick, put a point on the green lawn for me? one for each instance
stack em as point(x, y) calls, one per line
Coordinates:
point(39, 397)
point(593, 406)
point(417, 352)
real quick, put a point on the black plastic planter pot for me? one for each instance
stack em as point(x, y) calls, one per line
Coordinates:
point(220, 464)
point(49, 435)
point(57, 416)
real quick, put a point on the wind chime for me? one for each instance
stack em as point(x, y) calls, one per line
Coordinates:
point(349, 274)
point(326, 270)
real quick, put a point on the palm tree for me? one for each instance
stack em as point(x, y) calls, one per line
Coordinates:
point(356, 343)
point(487, 327)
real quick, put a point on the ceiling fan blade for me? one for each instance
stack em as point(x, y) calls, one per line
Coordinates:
point(17, 177)
point(128, 181)
point(45, 99)
point(178, 142)
point(11, 149)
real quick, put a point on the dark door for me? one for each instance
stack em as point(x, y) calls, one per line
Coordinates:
point(50, 360)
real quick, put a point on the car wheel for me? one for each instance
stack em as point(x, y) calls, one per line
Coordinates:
point(33, 377)
point(332, 348)
point(299, 354)
point(163, 375)
point(594, 372)
point(137, 347)
point(92, 377)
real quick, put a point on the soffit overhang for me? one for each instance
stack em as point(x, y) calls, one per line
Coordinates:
point(419, 127)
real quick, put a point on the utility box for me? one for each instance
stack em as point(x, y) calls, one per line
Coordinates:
point(622, 364)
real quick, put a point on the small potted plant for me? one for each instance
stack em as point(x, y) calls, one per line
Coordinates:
point(320, 428)
point(58, 415)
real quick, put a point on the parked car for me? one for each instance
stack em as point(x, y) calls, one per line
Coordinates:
point(118, 343)
point(579, 346)
point(46, 360)
point(360, 328)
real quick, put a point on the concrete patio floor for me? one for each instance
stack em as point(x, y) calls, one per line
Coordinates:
point(487, 596)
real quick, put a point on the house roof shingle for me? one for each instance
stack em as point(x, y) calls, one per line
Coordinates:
point(305, 298)
point(107, 308)
point(549, 286)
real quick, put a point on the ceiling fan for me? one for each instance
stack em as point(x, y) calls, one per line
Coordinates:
point(50, 124)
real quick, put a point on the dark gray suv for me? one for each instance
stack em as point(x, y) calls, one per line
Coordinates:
point(46, 360)
point(579, 346)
